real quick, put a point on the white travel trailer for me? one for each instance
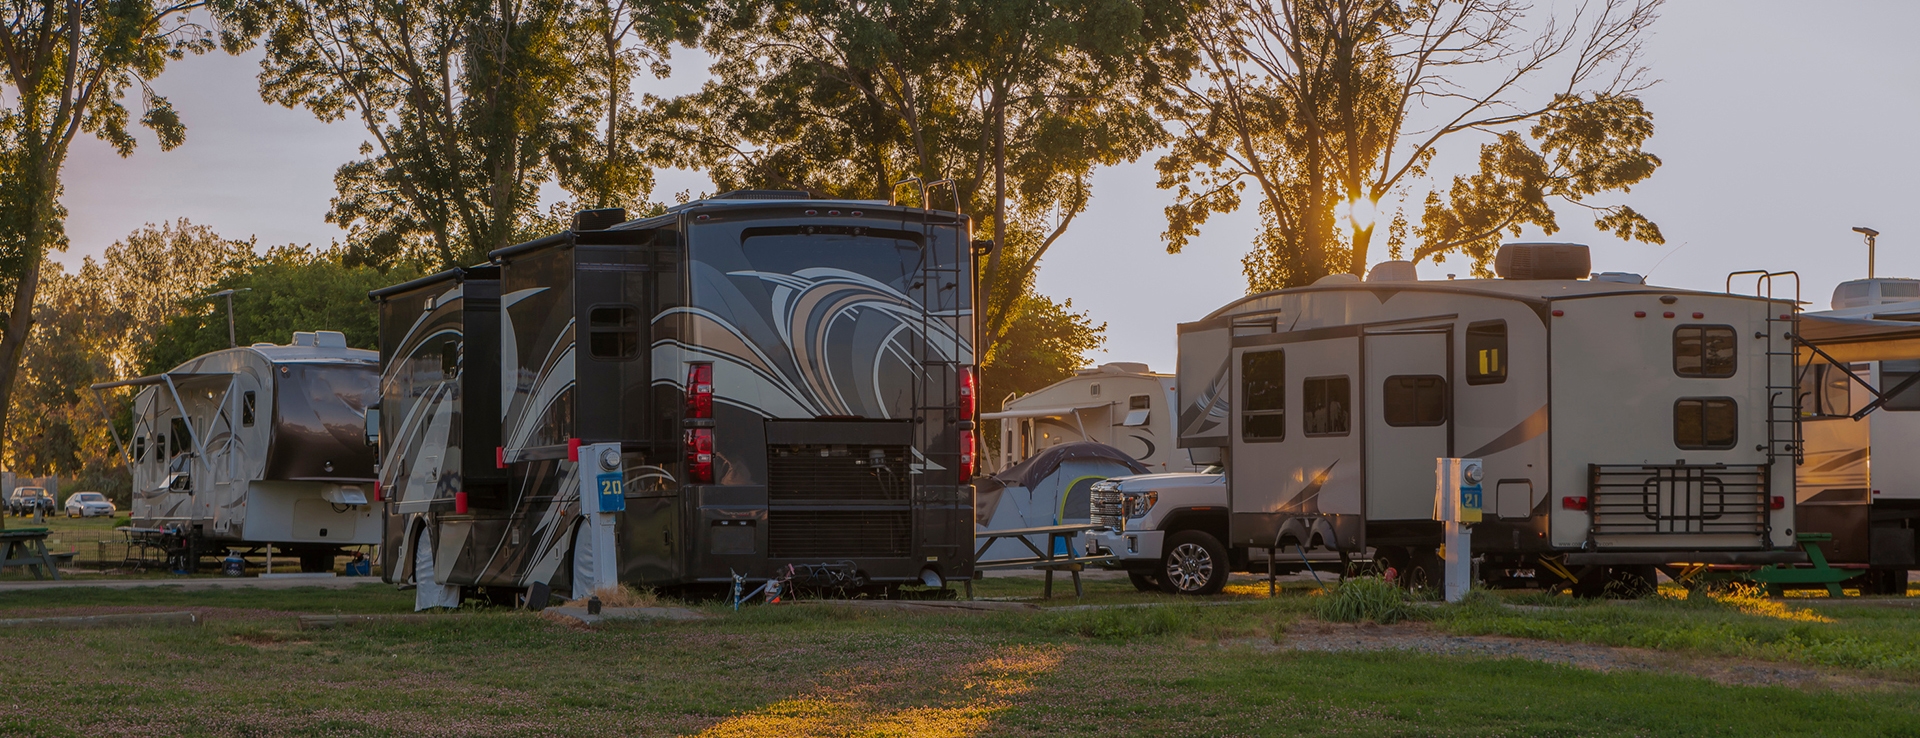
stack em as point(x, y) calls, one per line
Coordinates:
point(1622, 426)
point(256, 447)
point(1121, 404)
point(1869, 503)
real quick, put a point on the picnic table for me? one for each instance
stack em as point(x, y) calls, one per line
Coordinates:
point(27, 547)
point(1046, 560)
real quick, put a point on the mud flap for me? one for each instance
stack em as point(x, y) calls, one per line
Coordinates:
point(428, 593)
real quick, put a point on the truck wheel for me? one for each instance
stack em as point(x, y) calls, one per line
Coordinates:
point(1144, 581)
point(1194, 564)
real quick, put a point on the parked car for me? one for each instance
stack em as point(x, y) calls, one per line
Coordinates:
point(89, 504)
point(25, 499)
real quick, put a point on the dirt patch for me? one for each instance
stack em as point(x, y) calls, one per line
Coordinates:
point(1313, 635)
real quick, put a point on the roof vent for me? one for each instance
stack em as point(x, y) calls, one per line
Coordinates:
point(1393, 271)
point(763, 195)
point(329, 339)
point(1125, 367)
point(1875, 291)
point(1621, 277)
point(598, 220)
point(265, 344)
point(302, 338)
point(1341, 278)
point(1542, 261)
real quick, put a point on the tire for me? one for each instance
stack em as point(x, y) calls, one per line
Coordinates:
point(1144, 581)
point(1426, 572)
point(1194, 564)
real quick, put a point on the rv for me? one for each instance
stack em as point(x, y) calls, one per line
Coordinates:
point(256, 449)
point(1121, 404)
point(1622, 426)
point(770, 386)
point(1870, 503)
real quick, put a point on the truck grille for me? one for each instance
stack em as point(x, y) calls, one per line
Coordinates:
point(1106, 506)
point(832, 534)
point(1724, 500)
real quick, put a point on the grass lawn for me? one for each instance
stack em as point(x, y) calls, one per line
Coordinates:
point(1181, 668)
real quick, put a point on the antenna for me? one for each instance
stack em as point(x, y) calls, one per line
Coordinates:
point(1870, 234)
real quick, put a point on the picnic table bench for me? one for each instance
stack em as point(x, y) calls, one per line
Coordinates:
point(27, 547)
point(1046, 560)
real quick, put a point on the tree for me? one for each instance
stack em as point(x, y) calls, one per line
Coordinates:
point(1312, 103)
point(70, 65)
point(290, 289)
point(608, 142)
point(95, 325)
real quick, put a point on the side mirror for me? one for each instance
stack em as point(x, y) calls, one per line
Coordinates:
point(373, 425)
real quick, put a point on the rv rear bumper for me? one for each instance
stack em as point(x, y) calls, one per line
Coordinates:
point(1750, 558)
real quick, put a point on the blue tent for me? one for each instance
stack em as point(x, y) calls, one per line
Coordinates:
point(1048, 488)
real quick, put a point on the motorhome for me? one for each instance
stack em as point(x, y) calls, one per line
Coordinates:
point(1622, 426)
point(778, 386)
point(1869, 503)
point(256, 449)
point(1121, 404)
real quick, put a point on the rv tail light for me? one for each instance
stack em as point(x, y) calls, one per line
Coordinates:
point(376, 491)
point(1697, 316)
point(700, 455)
point(967, 457)
point(1558, 313)
point(700, 390)
point(573, 450)
point(500, 457)
point(1778, 503)
point(1573, 503)
point(969, 393)
point(1639, 313)
point(460, 503)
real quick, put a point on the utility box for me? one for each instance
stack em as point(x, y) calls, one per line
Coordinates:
point(1456, 504)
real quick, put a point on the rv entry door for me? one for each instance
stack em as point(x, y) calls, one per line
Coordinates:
point(1409, 409)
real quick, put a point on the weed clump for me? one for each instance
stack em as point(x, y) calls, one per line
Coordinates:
point(624, 595)
point(1363, 598)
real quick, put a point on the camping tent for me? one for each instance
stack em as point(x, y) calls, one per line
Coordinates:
point(1048, 488)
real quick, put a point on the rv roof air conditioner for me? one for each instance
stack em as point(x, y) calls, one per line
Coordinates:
point(1393, 271)
point(1875, 291)
point(1621, 277)
point(598, 220)
point(1341, 278)
point(1542, 261)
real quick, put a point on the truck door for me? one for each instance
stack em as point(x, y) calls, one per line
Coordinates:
point(1409, 409)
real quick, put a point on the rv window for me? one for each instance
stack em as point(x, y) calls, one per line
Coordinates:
point(159, 446)
point(139, 449)
point(1705, 422)
point(1263, 395)
point(1892, 373)
point(1703, 351)
point(246, 409)
point(1487, 352)
point(1415, 400)
point(182, 439)
point(449, 359)
point(1826, 392)
point(1138, 406)
point(1327, 402)
point(613, 332)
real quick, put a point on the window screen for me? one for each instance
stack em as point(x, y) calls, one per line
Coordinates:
point(1892, 373)
point(1703, 351)
point(1263, 395)
point(1415, 400)
point(1327, 402)
point(1487, 352)
point(1705, 422)
point(613, 332)
point(246, 409)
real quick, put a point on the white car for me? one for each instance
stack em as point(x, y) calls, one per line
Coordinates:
point(89, 504)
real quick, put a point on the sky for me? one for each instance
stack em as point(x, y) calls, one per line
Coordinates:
point(1781, 125)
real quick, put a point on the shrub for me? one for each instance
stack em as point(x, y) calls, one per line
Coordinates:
point(1363, 598)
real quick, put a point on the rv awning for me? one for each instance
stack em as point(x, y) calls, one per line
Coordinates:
point(1861, 338)
point(158, 379)
point(1042, 412)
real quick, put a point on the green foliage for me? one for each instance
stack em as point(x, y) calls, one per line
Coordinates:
point(1359, 599)
point(1309, 108)
point(290, 289)
point(1046, 342)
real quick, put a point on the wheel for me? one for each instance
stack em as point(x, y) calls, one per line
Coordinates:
point(312, 563)
point(1144, 581)
point(1426, 572)
point(1194, 564)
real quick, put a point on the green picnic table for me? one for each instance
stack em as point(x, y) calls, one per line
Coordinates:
point(27, 547)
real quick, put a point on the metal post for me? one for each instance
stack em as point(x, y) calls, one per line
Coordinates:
point(1870, 234)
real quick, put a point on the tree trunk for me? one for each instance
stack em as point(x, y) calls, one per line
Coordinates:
point(39, 232)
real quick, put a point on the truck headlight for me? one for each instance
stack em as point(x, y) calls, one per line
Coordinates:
point(1141, 503)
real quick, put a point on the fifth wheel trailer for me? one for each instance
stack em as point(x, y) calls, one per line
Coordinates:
point(1623, 426)
point(1121, 404)
point(786, 385)
point(256, 448)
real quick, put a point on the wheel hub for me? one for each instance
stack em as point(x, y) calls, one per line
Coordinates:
point(1189, 567)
